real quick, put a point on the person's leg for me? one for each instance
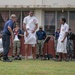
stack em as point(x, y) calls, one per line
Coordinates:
point(34, 51)
point(60, 57)
point(37, 50)
point(18, 48)
point(65, 56)
point(59, 49)
point(6, 45)
point(14, 48)
point(42, 45)
point(26, 51)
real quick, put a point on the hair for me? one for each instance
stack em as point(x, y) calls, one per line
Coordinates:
point(16, 24)
point(12, 16)
point(69, 28)
point(31, 11)
point(63, 19)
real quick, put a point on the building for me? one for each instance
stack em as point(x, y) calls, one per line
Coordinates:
point(48, 12)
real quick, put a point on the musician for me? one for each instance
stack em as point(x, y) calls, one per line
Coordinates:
point(17, 44)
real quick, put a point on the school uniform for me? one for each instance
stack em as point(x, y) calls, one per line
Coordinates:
point(61, 46)
point(30, 25)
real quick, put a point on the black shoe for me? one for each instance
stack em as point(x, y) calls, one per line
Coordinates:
point(12, 55)
point(7, 60)
point(37, 56)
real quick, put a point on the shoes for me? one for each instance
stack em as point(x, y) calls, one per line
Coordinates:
point(7, 60)
point(17, 58)
point(37, 56)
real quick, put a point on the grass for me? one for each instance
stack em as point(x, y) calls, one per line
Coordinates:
point(37, 67)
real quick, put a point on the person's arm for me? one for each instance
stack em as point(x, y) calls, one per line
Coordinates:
point(36, 26)
point(11, 31)
point(44, 34)
point(66, 33)
point(24, 26)
point(20, 33)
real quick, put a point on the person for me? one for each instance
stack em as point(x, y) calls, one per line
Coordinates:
point(62, 40)
point(6, 33)
point(16, 45)
point(56, 34)
point(41, 35)
point(30, 24)
point(1, 48)
point(70, 44)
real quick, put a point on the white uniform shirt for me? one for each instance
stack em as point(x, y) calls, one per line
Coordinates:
point(64, 29)
point(30, 22)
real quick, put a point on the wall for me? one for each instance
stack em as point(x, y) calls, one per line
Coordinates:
point(37, 3)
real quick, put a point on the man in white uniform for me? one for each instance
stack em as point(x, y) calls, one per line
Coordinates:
point(62, 40)
point(30, 24)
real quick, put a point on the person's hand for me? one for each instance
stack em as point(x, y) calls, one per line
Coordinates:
point(62, 41)
point(33, 31)
point(12, 37)
point(27, 34)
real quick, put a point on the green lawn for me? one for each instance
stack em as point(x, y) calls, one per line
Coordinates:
point(37, 67)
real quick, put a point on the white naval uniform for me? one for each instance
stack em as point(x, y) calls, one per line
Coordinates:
point(30, 25)
point(61, 46)
point(1, 47)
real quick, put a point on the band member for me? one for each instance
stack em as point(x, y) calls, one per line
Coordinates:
point(30, 24)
